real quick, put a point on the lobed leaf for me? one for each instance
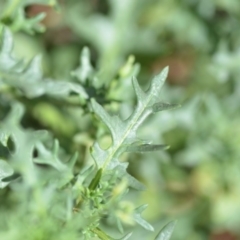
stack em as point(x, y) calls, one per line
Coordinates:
point(28, 79)
point(49, 157)
point(123, 132)
point(29, 25)
point(14, 15)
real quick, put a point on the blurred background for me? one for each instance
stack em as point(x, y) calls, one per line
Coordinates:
point(195, 181)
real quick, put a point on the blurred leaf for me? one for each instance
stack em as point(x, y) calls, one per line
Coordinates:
point(164, 106)
point(29, 78)
point(5, 171)
point(85, 70)
point(120, 40)
point(138, 218)
point(29, 25)
point(13, 15)
point(14, 176)
point(166, 232)
point(146, 147)
point(126, 237)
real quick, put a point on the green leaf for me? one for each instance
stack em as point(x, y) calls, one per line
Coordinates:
point(132, 182)
point(12, 177)
point(85, 70)
point(95, 181)
point(127, 67)
point(166, 232)
point(7, 61)
point(72, 161)
point(138, 218)
point(160, 106)
point(51, 158)
point(114, 123)
point(29, 25)
point(146, 147)
point(81, 177)
point(4, 137)
point(123, 132)
point(48, 157)
point(122, 82)
point(5, 171)
point(14, 15)
point(125, 237)
point(28, 78)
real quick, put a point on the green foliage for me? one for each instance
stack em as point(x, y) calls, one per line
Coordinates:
point(54, 192)
point(79, 178)
point(28, 78)
point(13, 14)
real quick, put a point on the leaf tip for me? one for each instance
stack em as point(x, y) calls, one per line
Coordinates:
point(166, 69)
point(165, 72)
point(166, 232)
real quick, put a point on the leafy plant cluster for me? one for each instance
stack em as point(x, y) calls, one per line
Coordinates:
point(194, 181)
point(45, 192)
point(200, 40)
